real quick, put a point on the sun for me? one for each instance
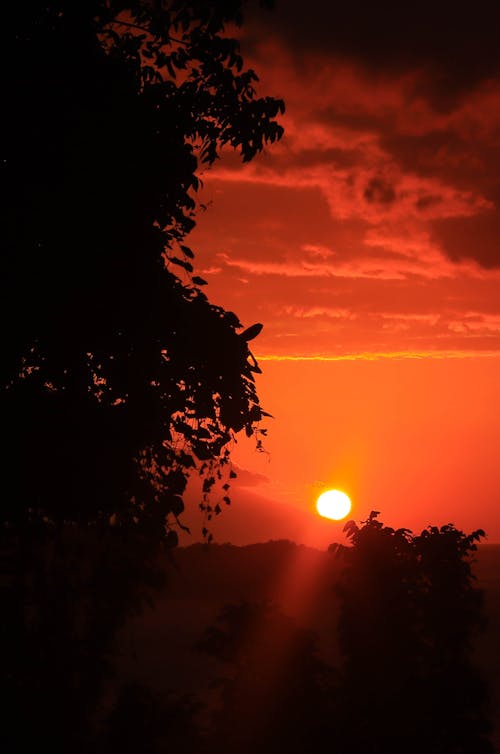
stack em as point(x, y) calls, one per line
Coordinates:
point(333, 504)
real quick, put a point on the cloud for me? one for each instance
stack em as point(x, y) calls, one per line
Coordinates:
point(246, 478)
point(379, 191)
point(434, 354)
point(476, 323)
point(454, 45)
point(362, 194)
point(398, 258)
point(304, 312)
point(373, 225)
point(471, 238)
point(403, 124)
point(315, 250)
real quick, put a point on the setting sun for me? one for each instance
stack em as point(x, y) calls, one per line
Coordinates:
point(333, 504)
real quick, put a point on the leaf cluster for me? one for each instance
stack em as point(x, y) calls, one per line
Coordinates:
point(119, 378)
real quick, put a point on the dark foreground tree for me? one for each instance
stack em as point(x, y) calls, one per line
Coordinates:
point(63, 599)
point(409, 611)
point(118, 377)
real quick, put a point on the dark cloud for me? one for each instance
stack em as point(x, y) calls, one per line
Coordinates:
point(340, 158)
point(426, 202)
point(455, 43)
point(476, 237)
point(355, 119)
point(247, 478)
point(437, 152)
point(255, 518)
point(379, 191)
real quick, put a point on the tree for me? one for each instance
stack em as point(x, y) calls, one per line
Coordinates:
point(63, 600)
point(118, 377)
point(409, 610)
point(276, 692)
point(151, 723)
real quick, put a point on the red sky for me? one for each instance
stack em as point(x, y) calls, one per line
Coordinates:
point(368, 244)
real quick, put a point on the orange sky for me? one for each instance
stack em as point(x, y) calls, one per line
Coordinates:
point(367, 242)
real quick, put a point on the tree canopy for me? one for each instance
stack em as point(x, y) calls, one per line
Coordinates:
point(409, 612)
point(118, 376)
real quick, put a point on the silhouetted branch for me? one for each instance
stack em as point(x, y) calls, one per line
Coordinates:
point(146, 30)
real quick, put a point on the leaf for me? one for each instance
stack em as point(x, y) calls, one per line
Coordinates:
point(232, 319)
point(203, 433)
point(181, 263)
point(177, 505)
point(187, 460)
point(170, 67)
point(351, 528)
point(171, 540)
point(208, 484)
point(251, 332)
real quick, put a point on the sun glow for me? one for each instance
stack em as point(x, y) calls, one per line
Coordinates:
point(333, 504)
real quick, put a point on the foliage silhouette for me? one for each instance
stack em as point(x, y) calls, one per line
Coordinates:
point(118, 377)
point(409, 611)
point(277, 694)
point(63, 600)
point(151, 723)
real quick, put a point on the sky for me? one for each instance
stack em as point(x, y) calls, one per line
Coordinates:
point(368, 244)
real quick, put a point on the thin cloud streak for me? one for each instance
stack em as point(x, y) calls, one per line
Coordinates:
point(378, 356)
point(431, 266)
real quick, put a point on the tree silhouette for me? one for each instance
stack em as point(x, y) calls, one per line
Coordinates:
point(151, 723)
point(409, 610)
point(276, 691)
point(63, 600)
point(118, 376)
